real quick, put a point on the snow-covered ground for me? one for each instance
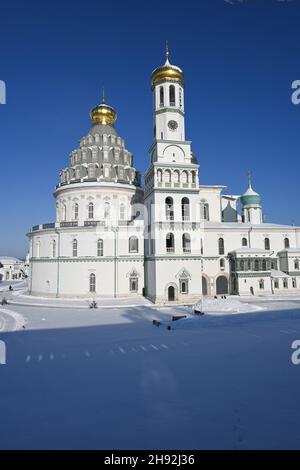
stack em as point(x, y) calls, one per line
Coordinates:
point(107, 378)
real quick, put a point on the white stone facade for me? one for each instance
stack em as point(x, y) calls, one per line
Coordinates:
point(174, 241)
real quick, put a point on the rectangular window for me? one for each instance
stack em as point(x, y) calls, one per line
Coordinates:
point(133, 284)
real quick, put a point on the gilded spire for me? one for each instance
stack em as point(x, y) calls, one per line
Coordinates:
point(103, 96)
point(167, 53)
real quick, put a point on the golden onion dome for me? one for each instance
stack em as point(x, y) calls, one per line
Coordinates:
point(167, 72)
point(103, 114)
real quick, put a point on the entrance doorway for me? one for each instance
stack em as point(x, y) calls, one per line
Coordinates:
point(171, 294)
point(222, 285)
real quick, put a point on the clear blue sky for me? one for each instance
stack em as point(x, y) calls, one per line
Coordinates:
point(239, 62)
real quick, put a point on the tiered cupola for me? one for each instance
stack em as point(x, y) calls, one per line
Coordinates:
point(102, 155)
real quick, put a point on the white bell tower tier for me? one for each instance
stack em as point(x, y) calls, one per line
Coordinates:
point(168, 115)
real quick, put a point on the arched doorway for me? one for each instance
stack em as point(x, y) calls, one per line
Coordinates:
point(222, 285)
point(171, 293)
point(204, 286)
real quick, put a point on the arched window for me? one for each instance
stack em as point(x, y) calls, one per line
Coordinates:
point(100, 247)
point(161, 96)
point(222, 264)
point(201, 249)
point(76, 211)
point(53, 248)
point(267, 244)
point(296, 264)
point(91, 210)
point(186, 243)
point(170, 243)
point(172, 95)
point(244, 242)
point(285, 284)
point(92, 169)
point(167, 175)
point(185, 208)
point(256, 265)
point(176, 176)
point(286, 243)
point(221, 246)
point(133, 245)
point(263, 265)
point(294, 282)
point(261, 284)
point(92, 282)
point(75, 247)
point(122, 211)
point(204, 210)
point(193, 173)
point(106, 210)
point(169, 208)
point(64, 212)
point(242, 265)
point(184, 177)
point(183, 286)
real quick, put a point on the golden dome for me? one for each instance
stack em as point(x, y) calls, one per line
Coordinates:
point(167, 72)
point(103, 114)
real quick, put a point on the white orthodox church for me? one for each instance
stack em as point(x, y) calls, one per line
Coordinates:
point(173, 241)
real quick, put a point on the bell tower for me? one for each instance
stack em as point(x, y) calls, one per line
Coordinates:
point(169, 145)
point(168, 102)
point(172, 210)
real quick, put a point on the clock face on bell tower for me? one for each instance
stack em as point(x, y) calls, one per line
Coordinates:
point(172, 125)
